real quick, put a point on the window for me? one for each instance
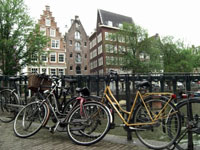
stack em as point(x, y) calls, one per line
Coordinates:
point(70, 42)
point(71, 68)
point(44, 58)
point(34, 57)
point(52, 32)
point(44, 70)
point(53, 71)
point(71, 55)
point(77, 46)
point(78, 58)
point(78, 69)
point(85, 55)
point(94, 53)
point(48, 22)
point(55, 44)
point(34, 70)
point(99, 37)
point(77, 35)
point(53, 57)
point(99, 49)
point(109, 48)
point(61, 58)
point(85, 67)
point(120, 26)
point(100, 60)
point(43, 30)
point(122, 49)
point(110, 23)
point(60, 71)
point(85, 43)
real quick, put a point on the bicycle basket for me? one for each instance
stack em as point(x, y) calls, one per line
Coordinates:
point(34, 83)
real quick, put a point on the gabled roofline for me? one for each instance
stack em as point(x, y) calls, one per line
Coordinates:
point(99, 11)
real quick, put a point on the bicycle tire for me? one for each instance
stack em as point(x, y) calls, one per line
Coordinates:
point(182, 142)
point(31, 119)
point(157, 135)
point(7, 111)
point(90, 127)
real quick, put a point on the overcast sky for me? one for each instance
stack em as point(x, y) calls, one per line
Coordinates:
point(177, 18)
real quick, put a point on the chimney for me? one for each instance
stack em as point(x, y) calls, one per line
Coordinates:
point(47, 8)
point(76, 17)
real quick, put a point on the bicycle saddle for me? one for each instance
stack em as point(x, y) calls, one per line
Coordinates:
point(84, 91)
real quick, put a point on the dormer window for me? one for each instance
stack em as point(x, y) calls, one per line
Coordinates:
point(120, 25)
point(110, 23)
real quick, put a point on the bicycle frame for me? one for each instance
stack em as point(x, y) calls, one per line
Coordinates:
point(138, 96)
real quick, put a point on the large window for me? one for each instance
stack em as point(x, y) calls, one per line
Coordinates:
point(100, 61)
point(53, 57)
point(77, 35)
point(78, 58)
point(61, 58)
point(77, 46)
point(55, 44)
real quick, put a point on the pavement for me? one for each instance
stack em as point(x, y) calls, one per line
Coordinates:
point(44, 140)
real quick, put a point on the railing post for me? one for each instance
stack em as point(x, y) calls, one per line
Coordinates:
point(128, 103)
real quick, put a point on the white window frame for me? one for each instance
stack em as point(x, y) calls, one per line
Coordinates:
point(77, 35)
point(52, 70)
point(51, 54)
point(46, 58)
point(48, 22)
point(63, 57)
point(52, 32)
point(33, 70)
point(55, 44)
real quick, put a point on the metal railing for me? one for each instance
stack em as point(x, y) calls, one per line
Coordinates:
point(123, 85)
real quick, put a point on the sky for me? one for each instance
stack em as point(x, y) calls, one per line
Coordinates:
point(177, 18)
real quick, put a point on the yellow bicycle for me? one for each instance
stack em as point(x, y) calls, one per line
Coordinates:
point(153, 117)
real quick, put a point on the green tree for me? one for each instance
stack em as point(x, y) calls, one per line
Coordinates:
point(20, 38)
point(143, 54)
point(177, 57)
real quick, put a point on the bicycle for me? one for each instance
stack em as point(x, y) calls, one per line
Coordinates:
point(35, 115)
point(190, 118)
point(148, 117)
point(11, 99)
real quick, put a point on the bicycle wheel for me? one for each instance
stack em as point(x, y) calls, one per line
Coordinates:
point(71, 103)
point(30, 119)
point(88, 125)
point(8, 102)
point(159, 134)
point(190, 125)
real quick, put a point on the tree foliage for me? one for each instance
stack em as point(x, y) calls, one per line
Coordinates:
point(179, 58)
point(143, 54)
point(20, 38)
